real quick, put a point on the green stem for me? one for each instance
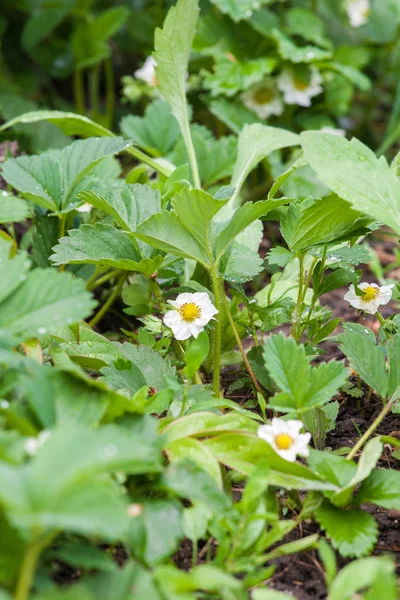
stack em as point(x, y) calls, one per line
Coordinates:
point(191, 153)
point(94, 75)
point(61, 234)
point(241, 349)
point(110, 300)
point(297, 312)
point(155, 288)
point(371, 429)
point(28, 567)
point(110, 95)
point(381, 320)
point(79, 94)
point(147, 160)
point(102, 280)
point(216, 284)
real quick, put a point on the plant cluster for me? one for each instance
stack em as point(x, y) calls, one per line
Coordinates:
point(133, 285)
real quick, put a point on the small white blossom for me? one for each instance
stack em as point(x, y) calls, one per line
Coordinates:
point(263, 99)
point(297, 91)
point(333, 130)
point(372, 298)
point(192, 312)
point(33, 444)
point(358, 12)
point(285, 438)
point(148, 72)
point(84, 208)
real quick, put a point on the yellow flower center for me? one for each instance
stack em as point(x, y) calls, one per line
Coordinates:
point(370, 293)
point(283, 441)
point(300, 84)
point(263, 95)
point(189, 312)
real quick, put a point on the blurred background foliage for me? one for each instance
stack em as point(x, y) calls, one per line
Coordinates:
point(82, 55)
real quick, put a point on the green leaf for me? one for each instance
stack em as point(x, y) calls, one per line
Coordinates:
point(54, 178)
point(190, 481)
point(233, 76)
point(288, 50)
point(13, 209)
point(42, 24)
point(154, 369)
point(44, 300)
point(195, 210)
point(352, 532)
point(130, 205)
point(288, 366)
point(361, 574)
point(242, 218)
point(69, 123)
point(157, 131)
point(58, 397)
point(196, 352)
point(71, 466)
point(193, 450)
point(382, 487)
point(101, 244)
point(158, 528)
point(237, 9)
point(172, 51)
point(255, 143)
point(393, 349)
point(322, 221)
point(366, 358)
point(244, 453)
point(232, 113)
point(335, 469)
point(195, 522)
point(200, 424)
point(369, 457)
point(354, 173)
point(326, 380)
point(156, 231)
point(89, 40)
point(308, 25)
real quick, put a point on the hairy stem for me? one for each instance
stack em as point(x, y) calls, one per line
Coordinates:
point(241, 349)
point(110, 95)
point(79, 93)
point(97, 282)
point(381, 320)
point(94, 76)
point(147, 160)
point(28, 568)
point(110, 300)
point(297, 311)
point(217, 288)
point(386, 409)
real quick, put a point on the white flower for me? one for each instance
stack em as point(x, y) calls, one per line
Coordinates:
point(333, 131)
point(297, 91)
point(148, 72)
point(84, 208)
point(372, 297)
point(263, 99)
point(285, 438)
point(193, 312)
point(33, 444)
point(358, 12)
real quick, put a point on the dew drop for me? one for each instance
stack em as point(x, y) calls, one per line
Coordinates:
point(4, 404)
point(248, 13)
point(42, 330)
point(22, 277)
point(110, 450)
